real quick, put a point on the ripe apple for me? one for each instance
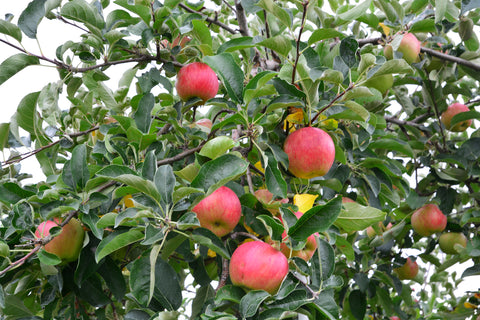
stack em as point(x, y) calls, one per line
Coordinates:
point(220, 211)
point(451, 111)
point(428, 220)
point(310, 151)
point(381, 83)
point(448, 240)
point(66, 245)
point(409, 47)
point(256, 265)
point(266, 198)
point(408, 271)
point(196, 80)
point(307, 252)
point(394, 318)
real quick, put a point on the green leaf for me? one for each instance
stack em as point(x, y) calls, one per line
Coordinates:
point(358, 109)
point(345, 247)
point(217, 147)
point(251, 302)
point(142, 11)
point(274, 179)
point(236, 44)
point(280, 44)
point(81, 11)
point(392, 66)
point(325, 259)
point(284, 101)
point(11, 30)
point(280, 13)
point(12, 65)
point(11, 193)
point(258, 87)
point(323, 34)
point(216, 173)
point(356, 12)
point(393, 145)
point(440, 10)
point(317, 219)
point(229, 72)
point(463, 116)
point(115, 241)
point(274, 227)
point(358, 304)
point(4, 135)
point(355, 217)
point(79, 166)
point(48, 258)
point(207, 238)
point(143, 115)
point(114, 279)
point(149, 165)
point(165, 183)
point(31, 17)
point(348, 51)
point(229, 293)
point(426, 25)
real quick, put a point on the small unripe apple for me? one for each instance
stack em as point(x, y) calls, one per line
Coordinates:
point(307, 252)
point(310, 151)
point(196, 80)
point(409, 47)
point(220, 211)
point(451, 111)
point(447, 241)
point(4, 249)
point(408, 271)
point(66, 245)
point(428, 220)
point(256, 265)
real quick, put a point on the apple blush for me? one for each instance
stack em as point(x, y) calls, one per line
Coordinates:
point(428, 220)
point(196, 80)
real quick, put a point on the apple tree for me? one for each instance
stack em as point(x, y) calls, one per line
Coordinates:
point(322, 119)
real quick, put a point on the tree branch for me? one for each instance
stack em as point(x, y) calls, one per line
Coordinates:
point(242, 19)
point(297, 55)
point(207, 18)
point(350, 87)
point(448, 57)
point(405, 123)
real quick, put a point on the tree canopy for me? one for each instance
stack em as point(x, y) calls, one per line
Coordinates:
point(127, 165)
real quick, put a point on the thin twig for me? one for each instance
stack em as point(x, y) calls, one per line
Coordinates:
point(437, 114)
point(214, 21)
point(179, 156)
point(242, 19)
point(224, 275)
point(249, 180)
point(297, 55)
point(406, 123)
point(61, 18)
point(340, 95)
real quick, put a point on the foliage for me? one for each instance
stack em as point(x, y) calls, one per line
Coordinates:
point(282, 65)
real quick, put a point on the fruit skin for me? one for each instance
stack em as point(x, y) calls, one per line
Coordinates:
point(256, 265)
point(4, 249)
point(428, 220)
point(307, 252)
point(66, 245)
point(448, 240)
point(408, 271)
point(451, 111)
point(220, 211)
point(205, 122)
point(409, 47)
point(310, 151)
point(346, 200)
point(196, 79)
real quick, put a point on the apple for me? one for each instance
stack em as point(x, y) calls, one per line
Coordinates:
point(66, 245)
point(409, 47)
point(196, 80)
point(307, 252)
point(447, 241)
point(347, 200)
point(310, 152)
point(428, 220)
point(266, 198)
point(408, 271)
point(382, 83)
point(451, 111)
point(178, 41)
point(205, 122)
point(256, 265)
point(394, 318)
point(220, 211)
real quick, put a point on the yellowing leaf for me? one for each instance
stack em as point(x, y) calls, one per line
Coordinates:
point(296, 117)
point(304, 202)
point(258, 165)
point(386, 30)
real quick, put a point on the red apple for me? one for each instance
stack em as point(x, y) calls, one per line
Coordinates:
point(346, 200)
point(448, 240)
point(196, 80)
point(66, 245)
point(428, 220)
point(394, 318)
point(220, 211)
point(256, 265)
point(408, 271)
point(310, 151)
point(266, 198)
point(409, 47)
point(451, 111)
point(307, 252)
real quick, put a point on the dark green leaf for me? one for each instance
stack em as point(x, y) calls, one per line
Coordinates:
point(12, 65)
point(251, 302)
point(81, 11)
point(274, 179)
point(358, 304)
point(79, 167)
point(207, 238)
point(11, 193)
point(230, 74)
point(11, 30)
point(31, 17)
point(165, 183)
point(279, 44)
point(236, 44)
point(143, 115)
point(323, 34)
point(114, 278)
point(149, 166)
point(348, 51)
point(48, 258)
point(463, 116)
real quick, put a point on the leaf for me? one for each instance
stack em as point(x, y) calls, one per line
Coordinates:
point(48, 258)
point(280, 44)
point(219, 171)
point(79, 166)
point(207, 238)
point(356, 12)
point(358, 304)
point(392, 66)
point(202, 33)
point(12, 65)
point(236, 44)
point(305, 201)
point(356, 217)
point(358, 109)
point(284, 101)
point(393, 145)
point(11, 30)
point(4, 135)
point(317, 219)
point(31, 17)
point(217, 147)
point(113, 277)
point(468, 5)
point(325, 259)
point(274, 179)
point(348, 51)
point(115, 241)
point(11, 193)
point(426, 25)
point(463, 116)
point(165, 183)
point(229, 72)
point(274, 227)
point(81, 11)
point(251, 302)
point(440, 10)
point(277, 11)
point(471, 271)
point(143, 115)
point(323, 34)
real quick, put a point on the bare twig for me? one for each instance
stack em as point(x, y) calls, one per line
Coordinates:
point(448, 57)
point(214, 21)
point(180, 156)
point(406, 123)
point(59, 17)
point(297, 55)
point(339, 96)
point(224, 275)
point(242, 19)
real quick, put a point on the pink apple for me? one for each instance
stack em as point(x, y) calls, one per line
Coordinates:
point(310, 151)
point(307, 252)
point(451, 111)
point(66, 245)
point(447, 242)
point(409, 47)
point(428, 220)
point(196, 80)
point(205, 122)
point(256, 265)
point(408, 271)
point(220, 211)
